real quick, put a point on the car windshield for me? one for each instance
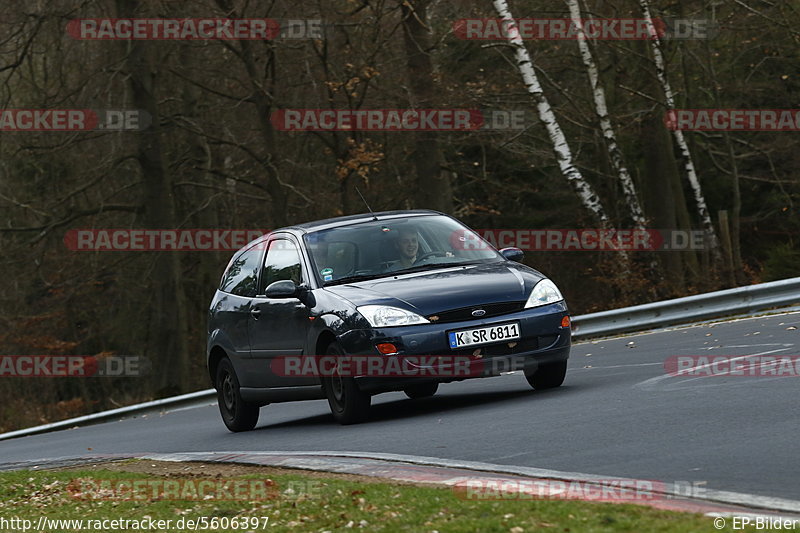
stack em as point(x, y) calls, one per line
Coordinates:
point(376, 249)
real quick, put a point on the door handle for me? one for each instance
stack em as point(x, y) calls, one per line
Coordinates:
point(255, 313)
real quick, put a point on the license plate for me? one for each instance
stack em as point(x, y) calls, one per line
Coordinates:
point(487, 335)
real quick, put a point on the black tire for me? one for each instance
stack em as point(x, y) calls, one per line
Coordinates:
point(237, 414)
point(548, 376)
point(348, 403)
point(423, 390)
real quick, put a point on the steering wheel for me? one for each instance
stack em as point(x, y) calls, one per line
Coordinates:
point(435, 253)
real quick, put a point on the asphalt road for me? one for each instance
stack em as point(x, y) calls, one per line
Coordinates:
point(618, 414)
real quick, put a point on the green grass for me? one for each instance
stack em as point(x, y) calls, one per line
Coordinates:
point(335, 504)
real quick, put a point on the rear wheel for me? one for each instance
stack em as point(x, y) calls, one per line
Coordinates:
point(423, 390)
point(548, 376)
point(348, 403)
point(237, 414)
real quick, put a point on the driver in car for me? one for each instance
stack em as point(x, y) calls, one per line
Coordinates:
point(407, 244)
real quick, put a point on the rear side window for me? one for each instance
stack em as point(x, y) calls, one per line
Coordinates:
point(241, 278)
point(282, 263)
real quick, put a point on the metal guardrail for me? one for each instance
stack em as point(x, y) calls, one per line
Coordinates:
point(740, 300)
point(137, 409)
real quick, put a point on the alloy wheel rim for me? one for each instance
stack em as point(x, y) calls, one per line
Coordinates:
point(228, 395)
point(338, 387)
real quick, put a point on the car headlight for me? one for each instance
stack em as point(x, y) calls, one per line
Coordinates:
point(545, 292)
point(380, 316)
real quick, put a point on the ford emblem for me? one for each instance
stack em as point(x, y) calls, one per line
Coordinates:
point(478, 312)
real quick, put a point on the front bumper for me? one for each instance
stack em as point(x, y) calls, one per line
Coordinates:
point(542, 341)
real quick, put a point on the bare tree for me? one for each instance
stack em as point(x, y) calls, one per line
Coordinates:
point(433, 181)
point(601, 109)
point(168, 323)
point(683, 147)
point(561, 148)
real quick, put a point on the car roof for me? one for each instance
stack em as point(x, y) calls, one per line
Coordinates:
point(329, 223)
point(299, 229)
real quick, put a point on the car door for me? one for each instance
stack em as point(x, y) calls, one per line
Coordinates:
point(279, 327)
point(232, 305)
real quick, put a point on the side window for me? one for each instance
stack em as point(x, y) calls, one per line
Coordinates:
point(242, 276)
point(283, 262)
point(341, 259)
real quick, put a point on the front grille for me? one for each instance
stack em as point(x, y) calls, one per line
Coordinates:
point(465, 313)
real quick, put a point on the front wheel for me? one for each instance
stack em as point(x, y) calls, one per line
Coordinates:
point(348, 403)
point(548, 376)
point(237, 414)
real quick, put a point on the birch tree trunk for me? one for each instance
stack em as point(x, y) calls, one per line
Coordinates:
point(686, 156)
point(601, 109)
point(582, 188)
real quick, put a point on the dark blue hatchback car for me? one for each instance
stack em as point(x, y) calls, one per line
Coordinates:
point(414, 297)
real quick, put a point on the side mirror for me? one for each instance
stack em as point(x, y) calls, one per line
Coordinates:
point(282, 289)
point(513, 254)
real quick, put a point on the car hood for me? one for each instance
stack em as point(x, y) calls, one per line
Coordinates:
point(449, 288)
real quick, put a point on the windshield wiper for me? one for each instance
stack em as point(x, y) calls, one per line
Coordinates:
point(431, 266)
point(409, 270)
point(357, 277)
